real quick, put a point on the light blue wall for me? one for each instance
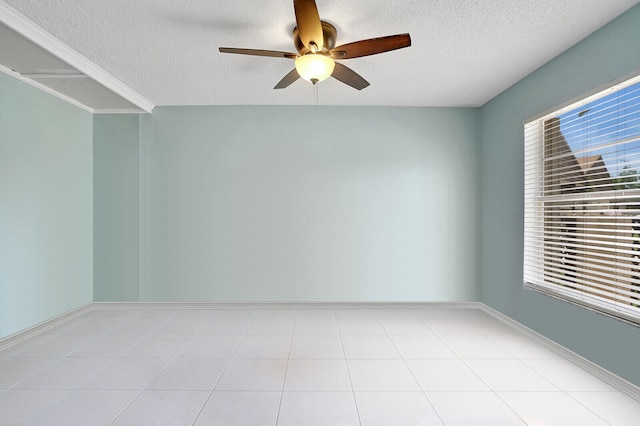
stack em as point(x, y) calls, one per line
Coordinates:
point(46, 213)
point(115, 213)
point(608, 54)
point(308, 204)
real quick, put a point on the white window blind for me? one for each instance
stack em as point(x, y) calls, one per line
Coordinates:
point(582, 202)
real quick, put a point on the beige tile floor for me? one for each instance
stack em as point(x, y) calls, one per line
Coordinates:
point(300, 367)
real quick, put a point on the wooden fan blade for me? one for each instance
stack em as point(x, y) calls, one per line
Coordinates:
point(349, 77)
point(308, 21)
point(288, 79)
point(257, 52)
point(371, 46)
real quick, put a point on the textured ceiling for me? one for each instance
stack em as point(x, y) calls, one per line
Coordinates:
point(463, 52)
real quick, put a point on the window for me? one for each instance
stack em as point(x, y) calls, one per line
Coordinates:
point(582, 202)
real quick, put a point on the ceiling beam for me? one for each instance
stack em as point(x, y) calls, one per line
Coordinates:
point(27, 28)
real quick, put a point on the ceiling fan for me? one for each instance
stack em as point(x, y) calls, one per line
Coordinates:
point(315, 41)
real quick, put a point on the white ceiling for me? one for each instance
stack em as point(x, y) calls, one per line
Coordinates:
point(463, 52)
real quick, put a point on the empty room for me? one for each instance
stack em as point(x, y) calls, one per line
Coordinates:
point(320, 212)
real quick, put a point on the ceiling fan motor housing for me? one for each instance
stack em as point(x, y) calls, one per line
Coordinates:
point(329, 35)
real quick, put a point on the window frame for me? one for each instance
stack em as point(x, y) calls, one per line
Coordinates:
point(536, 262)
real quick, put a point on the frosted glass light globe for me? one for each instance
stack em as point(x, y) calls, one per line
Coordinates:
point(314, 67)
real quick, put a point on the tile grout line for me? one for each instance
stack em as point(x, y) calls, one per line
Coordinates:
point(71, 391)
point(346, 362)
point(7, 342)
point(231, 357)
point(388, 329)
point(154, 377)
point(409, 368)
point(59, 358)
point(590, 410)
point(286, 368)
point(493, 391)
point(176, 356)
point(590, 367)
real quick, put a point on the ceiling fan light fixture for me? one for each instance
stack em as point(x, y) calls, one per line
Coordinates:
point(315, 67)
point(315, 41)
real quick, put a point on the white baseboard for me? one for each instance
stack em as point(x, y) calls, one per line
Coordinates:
point(27, 333)
point(283, 305)
point(605, 375)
